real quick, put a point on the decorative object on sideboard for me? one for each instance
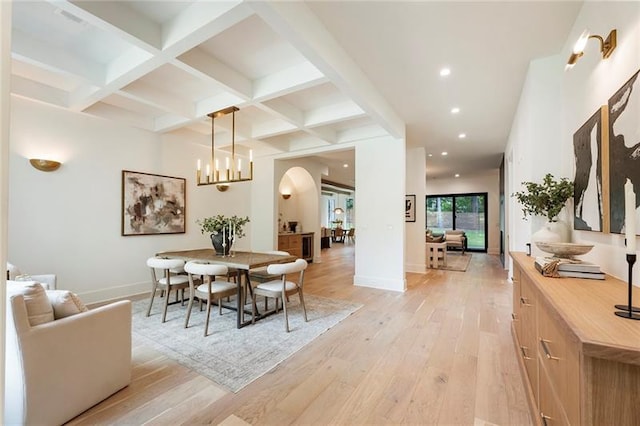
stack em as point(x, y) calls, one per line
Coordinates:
point(547, 199)
point(233, 168)
point(223, 231)
point(627, 311)
point(45, 165)
point(607, 46)
point(564, 250)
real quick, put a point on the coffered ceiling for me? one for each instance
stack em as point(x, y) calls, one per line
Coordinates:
point(308, 77)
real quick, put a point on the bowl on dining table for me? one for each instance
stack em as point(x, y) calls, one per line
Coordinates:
point(564, 250)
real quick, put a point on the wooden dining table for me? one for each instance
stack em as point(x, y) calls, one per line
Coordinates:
point(242, 261)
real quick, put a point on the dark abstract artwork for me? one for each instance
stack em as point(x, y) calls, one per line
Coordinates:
point(589, 146)
point(624, 148)
point(152, 204)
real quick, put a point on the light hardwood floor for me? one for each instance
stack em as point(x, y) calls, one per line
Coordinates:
point(440, 353)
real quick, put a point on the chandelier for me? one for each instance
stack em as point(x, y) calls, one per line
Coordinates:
point(232, 171)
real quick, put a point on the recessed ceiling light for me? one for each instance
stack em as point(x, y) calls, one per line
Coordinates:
point(457, 175)
point(462, 135)
point(455, 110)
point(430, 155)
point(445, 72)
point(345, 165)
point(445, 153)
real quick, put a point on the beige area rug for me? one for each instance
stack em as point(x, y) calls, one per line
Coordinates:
point(233, 357)
point(456, 261)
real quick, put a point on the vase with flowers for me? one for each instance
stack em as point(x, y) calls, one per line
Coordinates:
point(547, 199)
point(223, 231)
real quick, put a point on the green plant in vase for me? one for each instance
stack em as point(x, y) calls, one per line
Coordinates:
point(223, 230)
point(545, 199)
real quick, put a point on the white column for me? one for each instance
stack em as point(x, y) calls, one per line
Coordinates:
point(5, 107)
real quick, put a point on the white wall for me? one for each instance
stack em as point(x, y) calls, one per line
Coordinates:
point(5, 105)
point(582, 91)
point(68, 222)
point(488, 182)
point(380, 241)
point(415, 243)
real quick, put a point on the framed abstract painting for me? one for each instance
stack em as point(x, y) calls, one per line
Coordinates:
point(624, 148)
point(590, 197)
point(152, 204)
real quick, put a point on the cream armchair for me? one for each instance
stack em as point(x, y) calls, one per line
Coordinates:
point(59, 368)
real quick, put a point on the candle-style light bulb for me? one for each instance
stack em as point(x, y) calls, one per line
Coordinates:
point(199, 166)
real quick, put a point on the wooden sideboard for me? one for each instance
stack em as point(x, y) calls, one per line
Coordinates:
point(580, 362)
point(299, 245)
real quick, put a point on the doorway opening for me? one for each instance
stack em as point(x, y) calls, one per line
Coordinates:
point(465, 212)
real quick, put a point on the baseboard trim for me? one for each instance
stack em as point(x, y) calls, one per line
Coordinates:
point(380, 283)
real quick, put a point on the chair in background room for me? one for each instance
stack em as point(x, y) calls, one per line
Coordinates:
point(338, 235)
point(280, 289)
point(456, 239)
point(209, 290)
point(170, 271)
point(351, 235)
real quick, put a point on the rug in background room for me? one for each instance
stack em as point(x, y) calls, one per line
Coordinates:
point(233, 357)
point(456, 261)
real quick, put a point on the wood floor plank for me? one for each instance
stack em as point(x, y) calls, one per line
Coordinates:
point(439, 353)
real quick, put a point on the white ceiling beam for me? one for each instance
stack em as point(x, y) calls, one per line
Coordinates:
point(109, 112)
point(202, 65)
point(272, 128)
point(325, 133)
point(199, 22)
point(30, 50)
point(131, 25)
point(126, 62)
point(216, 103)
point(288, 80)
point(169, 121)
point(284, 110)
point(30, 89)
point(297, 24)
point(359, 133)
point(334, 113)
point(160, 99)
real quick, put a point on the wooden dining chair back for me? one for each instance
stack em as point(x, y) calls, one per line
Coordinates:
point(351, 235)
point(204, 285)
point(166, 275)
point(281, 288)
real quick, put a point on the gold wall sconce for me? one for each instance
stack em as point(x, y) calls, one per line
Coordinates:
point(45, 165)
point(286, 196)
point(222, 188)
point(607, 46)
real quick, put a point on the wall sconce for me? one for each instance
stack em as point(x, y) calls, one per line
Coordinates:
point(286, 196)
point(222, 188)
point(44, 165)
point(607, 46)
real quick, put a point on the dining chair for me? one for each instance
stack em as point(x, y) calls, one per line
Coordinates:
point(339, 235)
point(170, 271)
point(260, 275)
point(351, 235)
point(280, 289)
point(209, 290)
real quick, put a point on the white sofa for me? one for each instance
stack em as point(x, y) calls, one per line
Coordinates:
point(47, 280)
point(60, 368)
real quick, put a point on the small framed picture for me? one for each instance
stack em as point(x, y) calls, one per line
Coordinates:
point(410, 208)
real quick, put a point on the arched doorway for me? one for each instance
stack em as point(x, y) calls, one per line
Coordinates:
point(298, 207)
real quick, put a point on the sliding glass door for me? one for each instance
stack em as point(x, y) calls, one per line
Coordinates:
point(467, 212)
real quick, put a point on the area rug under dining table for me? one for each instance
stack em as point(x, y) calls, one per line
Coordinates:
point(229, 356)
